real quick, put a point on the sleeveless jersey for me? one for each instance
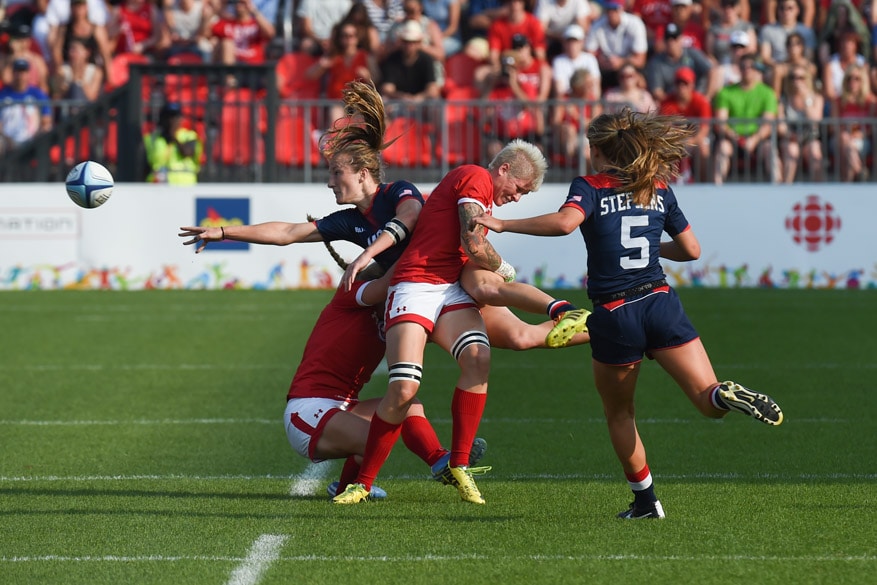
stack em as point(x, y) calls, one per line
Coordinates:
point(362, 229)
point(623, 240)
point(345, 328)
point(436, 255)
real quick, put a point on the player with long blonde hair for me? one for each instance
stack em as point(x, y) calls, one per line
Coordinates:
point(622, 212)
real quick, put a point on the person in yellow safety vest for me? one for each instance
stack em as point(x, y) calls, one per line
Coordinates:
point(173, 153)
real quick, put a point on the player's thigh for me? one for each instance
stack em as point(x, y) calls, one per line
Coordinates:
point(345, 434)
point(689, 365)
point(452, 324)
point(507, 331)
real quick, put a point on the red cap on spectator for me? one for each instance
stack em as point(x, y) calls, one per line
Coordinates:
point(685, 74)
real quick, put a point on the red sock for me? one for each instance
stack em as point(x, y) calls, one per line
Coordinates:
point(420, 438)
point(381, 438)
point(466, 410)
point(348, 473)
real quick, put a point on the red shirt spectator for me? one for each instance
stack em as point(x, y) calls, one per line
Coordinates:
point(656, 14)
point(244, 35)
point(137, 22)
point(518, 22)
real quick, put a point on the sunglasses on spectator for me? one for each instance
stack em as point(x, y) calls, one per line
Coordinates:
point(799, 77)
point(680, 82)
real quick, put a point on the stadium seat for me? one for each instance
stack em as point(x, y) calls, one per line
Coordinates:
point(460, 71)
point(293, 133)
point(291, 80)
point(464, 136)
point(413, 145)
point(189, 90)
point(241, 143)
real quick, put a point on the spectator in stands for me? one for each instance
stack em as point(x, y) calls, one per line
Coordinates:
point(383, 14)
point(808, 11)
point(242, 34)
point(21, 47)
point(525, 79)
point(183, 24)
point(618, 39)
point(173, 153)
point(729, 73)
point(801, 109)
point(369, 36)
point(481, 14)
point(518, 21)
point(797, 57)
point(745, 113)
point(79, 78)
point(447, 15)
point(572, 114)
point(856, 104)
point(661, 68)
point(432, 45)
point(573, 58)
point(718, 38)
point(772, 37)
point(693, 34)
point(655, 14)
point(24, 108)
point(78, 18)
point(630, 92)
point(316, 18)
point(848, 54)
point(408, 73)
point(686, 101)
point(557, 16)
point(346, 61)
point(138, 27)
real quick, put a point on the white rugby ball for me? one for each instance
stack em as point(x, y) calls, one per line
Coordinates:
point(89, 184)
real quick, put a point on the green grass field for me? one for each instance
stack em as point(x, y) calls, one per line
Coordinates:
point(142, 442)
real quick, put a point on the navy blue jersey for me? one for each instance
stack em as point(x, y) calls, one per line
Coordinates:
point(352, 226)
point(623, 239)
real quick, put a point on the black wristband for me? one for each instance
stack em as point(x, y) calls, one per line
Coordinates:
point(222, 229)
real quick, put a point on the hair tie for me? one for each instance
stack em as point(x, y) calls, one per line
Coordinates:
point(620, 132)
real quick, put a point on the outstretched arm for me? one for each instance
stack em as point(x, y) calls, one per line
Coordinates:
point(559, 223)
point(275, 233)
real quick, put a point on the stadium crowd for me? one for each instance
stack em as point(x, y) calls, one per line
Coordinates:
point(782, 86)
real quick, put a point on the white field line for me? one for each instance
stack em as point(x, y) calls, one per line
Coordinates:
point(442, 558)
point(265, 550)
point(487, 420)
point(309, 481)
point(523, 364)
point(493, 475)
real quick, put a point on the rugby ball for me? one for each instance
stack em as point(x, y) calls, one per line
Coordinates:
point(89, 184)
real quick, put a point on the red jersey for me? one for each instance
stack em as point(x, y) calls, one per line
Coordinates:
point(340, 73)
point(249, 44)
point(501, 31)
point(435, 254)
point(135, 26)
point(346, 330)
point(656, 14)
point(699, 107)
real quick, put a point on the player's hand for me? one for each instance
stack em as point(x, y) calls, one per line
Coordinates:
point(488, 221)
point(200, 236)
point(349, 276)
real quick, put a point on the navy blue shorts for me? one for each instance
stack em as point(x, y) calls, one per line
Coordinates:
point(623, 331)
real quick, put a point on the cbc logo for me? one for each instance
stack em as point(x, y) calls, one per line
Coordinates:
point(813, 223)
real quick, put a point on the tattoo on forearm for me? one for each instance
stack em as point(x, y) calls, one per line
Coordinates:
point(475, 240)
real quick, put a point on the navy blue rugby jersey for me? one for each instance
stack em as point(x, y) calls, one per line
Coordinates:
point(623, 239)
point(352, 226)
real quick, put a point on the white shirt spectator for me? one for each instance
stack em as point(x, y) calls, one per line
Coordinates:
point(629, 37)
point(58, 12)
point(556, 16)
point(323, 15)
point(563, 67)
